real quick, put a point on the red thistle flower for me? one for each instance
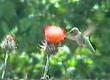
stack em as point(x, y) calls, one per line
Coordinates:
point(54, 34)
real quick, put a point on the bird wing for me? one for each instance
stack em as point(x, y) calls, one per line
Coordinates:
point(88, 44)
point(89, 30)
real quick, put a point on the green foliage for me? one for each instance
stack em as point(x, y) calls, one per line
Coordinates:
point(26, 20)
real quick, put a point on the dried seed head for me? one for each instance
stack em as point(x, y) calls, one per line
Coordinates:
point(9, 42)
point(49, 48)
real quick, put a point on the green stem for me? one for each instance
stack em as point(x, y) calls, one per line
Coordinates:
point(5, 64)
point(45, 76)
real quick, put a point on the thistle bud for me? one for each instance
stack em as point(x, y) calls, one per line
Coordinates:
point(8, 42)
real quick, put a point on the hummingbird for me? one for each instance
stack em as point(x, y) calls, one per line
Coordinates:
point(82, 39)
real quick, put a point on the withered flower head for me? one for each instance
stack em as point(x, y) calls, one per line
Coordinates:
point(9, 42)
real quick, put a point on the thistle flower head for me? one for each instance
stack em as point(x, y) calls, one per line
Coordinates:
point(54, 34)
point(8, 42)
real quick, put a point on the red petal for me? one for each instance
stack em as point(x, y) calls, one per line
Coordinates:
point(54, 34)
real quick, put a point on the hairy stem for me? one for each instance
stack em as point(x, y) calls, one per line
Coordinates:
point(5, 64)
point(45, 76)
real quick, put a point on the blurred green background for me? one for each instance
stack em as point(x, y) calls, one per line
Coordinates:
point(26, 20)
